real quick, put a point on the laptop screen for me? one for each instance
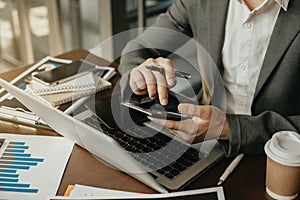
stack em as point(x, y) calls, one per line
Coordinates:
point(113, 114)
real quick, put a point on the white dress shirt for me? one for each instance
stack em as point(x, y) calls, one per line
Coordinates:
point(247, 36)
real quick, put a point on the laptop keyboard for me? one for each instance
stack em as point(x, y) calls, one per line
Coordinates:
point(155, 150)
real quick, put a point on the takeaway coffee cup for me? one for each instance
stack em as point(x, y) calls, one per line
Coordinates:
point(283, 165)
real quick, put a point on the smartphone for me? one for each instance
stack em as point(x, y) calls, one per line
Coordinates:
point(157, 113)
point(64, 73)
point(169, 115)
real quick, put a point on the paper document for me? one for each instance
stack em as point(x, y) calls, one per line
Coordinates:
point(31, 167)
point(86, 192)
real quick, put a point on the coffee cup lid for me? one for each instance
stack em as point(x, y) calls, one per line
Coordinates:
point(284, 148)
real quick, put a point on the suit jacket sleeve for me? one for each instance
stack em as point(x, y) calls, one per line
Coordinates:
point(249, 134)
point(170, 31)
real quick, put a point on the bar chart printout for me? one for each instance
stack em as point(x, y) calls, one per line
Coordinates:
point(31, 167)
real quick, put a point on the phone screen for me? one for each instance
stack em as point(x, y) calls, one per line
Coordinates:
point(64, 72)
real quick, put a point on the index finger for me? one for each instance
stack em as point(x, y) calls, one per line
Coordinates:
point(169, 70)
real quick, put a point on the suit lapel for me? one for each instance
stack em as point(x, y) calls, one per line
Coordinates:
point(285, 30)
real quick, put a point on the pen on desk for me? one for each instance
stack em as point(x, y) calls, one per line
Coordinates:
point(162, 71)
point(230, 168)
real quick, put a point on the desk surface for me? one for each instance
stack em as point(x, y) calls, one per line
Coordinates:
point(246, 182)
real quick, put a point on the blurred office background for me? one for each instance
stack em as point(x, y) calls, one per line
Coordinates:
point(33, 29)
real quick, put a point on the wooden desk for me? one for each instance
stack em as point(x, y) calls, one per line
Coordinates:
point(246, 182)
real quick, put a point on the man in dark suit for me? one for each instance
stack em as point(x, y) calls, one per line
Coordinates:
point(255, 45)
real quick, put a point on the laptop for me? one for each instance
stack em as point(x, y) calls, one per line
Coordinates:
point(126, 140)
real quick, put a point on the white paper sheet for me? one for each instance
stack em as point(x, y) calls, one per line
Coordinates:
point(85, 192)
point(45, 158)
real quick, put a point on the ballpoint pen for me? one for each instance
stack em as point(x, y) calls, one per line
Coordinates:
point(177, 73)
point(230, 168)
point(21, 115)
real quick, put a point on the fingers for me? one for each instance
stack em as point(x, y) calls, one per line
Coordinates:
point(169, 70)
point(204, 112)
point(183, 135)
point(208, 122)
point(189, 126)
point(137, 82)
point(166, 123)
point(159, 87)
point(189, 109)
point(143, 80)
point(150, 80)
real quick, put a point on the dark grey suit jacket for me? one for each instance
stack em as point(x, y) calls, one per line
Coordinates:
point(276, 104)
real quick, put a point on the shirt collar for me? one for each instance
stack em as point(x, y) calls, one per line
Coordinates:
point(283, 3)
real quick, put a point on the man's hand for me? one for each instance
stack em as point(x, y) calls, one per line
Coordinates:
point(208, 122)
point(143, 80)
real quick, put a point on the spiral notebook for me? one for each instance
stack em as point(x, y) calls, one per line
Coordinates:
point(84, 82)
point(55, 98)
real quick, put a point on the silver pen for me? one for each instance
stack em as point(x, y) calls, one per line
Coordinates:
point(20, 115)
point(230, 168)
point(177, 73)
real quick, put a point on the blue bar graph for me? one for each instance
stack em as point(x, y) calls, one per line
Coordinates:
point(15, 185)
point(15, 150)
point(18, 163)
point(14, 167)
point(25, 190)
point(17, 143)
point(17, 154)
point(17, 147)
point(14, 180)
point(8, 171)
point(9, 175)
point(16, 158)
point(23, 159)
